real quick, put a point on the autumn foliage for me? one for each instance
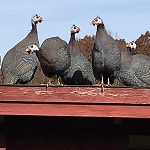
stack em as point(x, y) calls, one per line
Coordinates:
point(85, 45)
point(143, 44)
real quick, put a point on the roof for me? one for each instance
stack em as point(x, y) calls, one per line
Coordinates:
point(75, 101)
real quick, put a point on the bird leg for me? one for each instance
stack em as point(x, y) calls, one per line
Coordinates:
point(49, 83)
point(102, 85)
point(59, 81)
point(108, 83)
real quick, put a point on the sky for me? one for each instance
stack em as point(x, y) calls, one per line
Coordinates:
point(125, 19)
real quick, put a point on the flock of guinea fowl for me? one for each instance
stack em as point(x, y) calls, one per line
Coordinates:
point(57, 57)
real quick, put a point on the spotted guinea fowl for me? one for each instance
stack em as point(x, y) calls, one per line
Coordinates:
point(18, 67)
point(54, 56)
point(105, 54)
point(80, 72)
point(135, 69)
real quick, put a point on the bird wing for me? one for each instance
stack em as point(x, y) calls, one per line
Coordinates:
point(23, 66)
point(126, 60)
point(141, 67)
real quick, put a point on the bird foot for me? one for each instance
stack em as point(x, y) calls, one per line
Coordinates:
point(59, 84)
point(102, 88)
point(48, 84)
point(108, 85)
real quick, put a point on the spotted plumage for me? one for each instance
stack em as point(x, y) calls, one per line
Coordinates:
point(80, 72)
point(18, 66)
point(135, 69)
point(105, 54)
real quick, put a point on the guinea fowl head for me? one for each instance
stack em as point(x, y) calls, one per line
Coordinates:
point(32, 48)
point(75, 29)
point(131, 46)
point(37, 19)
point(97, 21)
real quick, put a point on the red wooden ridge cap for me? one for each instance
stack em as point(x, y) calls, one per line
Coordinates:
point(75, 101)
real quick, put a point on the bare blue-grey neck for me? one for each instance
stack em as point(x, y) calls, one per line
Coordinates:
point(34, 27)
point(73, 45)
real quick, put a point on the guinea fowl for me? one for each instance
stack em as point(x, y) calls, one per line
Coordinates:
point(54, 56)
point(18, 67)
point(135, 69)
point(80, 72)
point(105, 54)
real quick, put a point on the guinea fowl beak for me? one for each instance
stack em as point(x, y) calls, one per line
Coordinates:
point(78, 30)
point(28, 50)
point(40, 20)
point(128, 46)
point(92, 23)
